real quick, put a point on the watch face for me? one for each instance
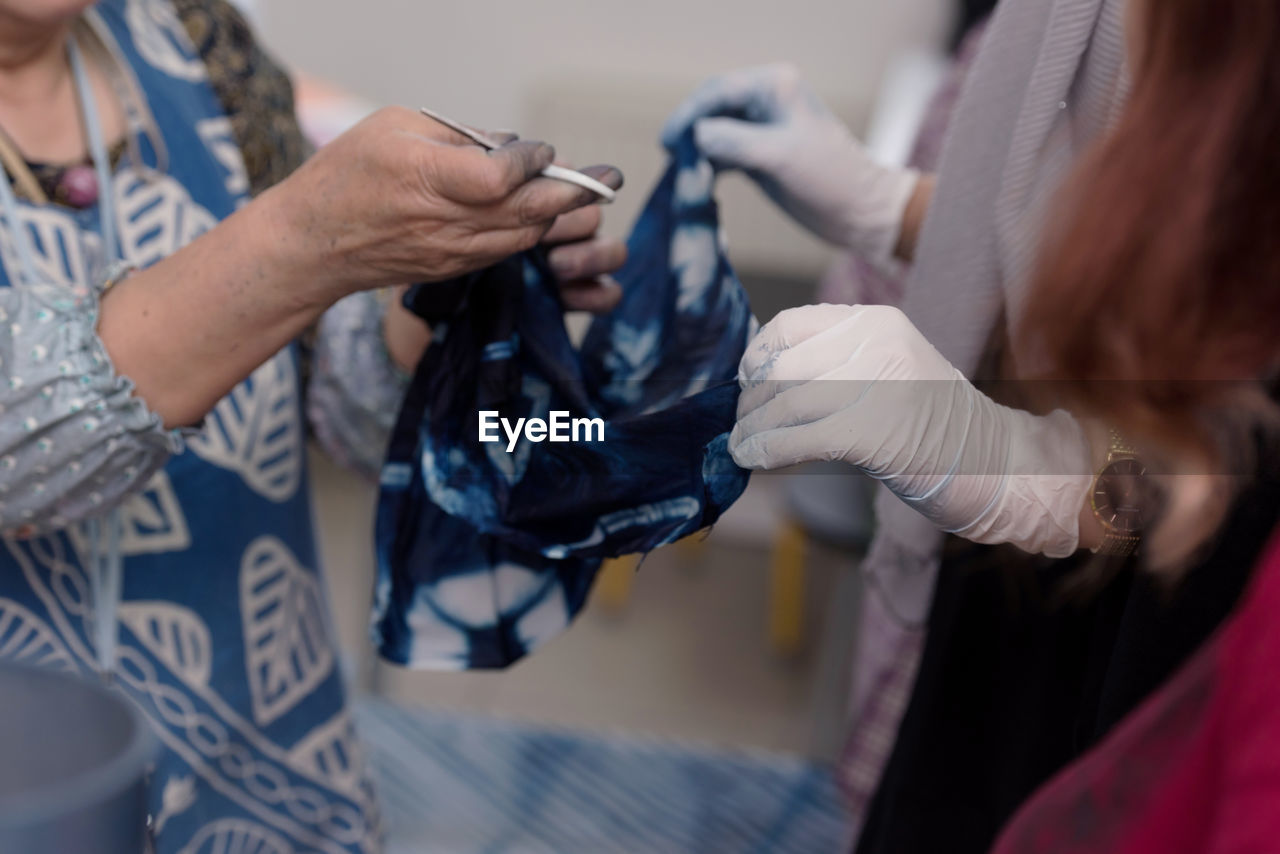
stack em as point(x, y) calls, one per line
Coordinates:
point(1118, 496)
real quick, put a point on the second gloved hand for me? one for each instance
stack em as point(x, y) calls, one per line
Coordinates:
point(860, 384)
point(768, 122)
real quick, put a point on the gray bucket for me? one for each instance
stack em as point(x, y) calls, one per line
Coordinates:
point(73, 762)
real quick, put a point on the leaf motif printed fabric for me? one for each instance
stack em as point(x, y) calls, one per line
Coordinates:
point(65, 254)
point(158, 35)
point(287, 649)
point(176, 636)
point(26, 639)
point(156, 217)
point(152, 522)
point(224, 641)
point(256, 433)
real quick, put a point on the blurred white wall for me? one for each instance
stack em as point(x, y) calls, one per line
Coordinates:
point(596, 77)
point(478, 60)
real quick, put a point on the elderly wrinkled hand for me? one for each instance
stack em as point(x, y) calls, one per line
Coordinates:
point(767, 122)
point(861, 385)
point(583, 261)
point(400, 198)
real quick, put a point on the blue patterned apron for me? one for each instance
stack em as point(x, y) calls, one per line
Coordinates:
point(224, 638)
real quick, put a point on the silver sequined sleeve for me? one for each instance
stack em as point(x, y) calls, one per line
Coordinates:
point(74, 440)
point(355, 389)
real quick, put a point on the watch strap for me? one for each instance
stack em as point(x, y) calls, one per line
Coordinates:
point(1116, 543)
point(1119, 447)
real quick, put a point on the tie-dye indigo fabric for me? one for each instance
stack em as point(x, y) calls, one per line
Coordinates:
point(484, 554)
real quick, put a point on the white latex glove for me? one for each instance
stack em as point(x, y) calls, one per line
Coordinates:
point(769, 123)
point(862, 385)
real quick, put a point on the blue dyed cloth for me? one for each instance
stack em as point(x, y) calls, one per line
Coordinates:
point(466, 784)
point(485, 554)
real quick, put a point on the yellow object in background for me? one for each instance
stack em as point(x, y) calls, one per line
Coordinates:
point(614, 583)
point(787, 593)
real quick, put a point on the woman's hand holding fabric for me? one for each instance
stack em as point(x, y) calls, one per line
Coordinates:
point(581, 259)
point(860, 384)
point(584, 261)
point(400, 198)
point(396, 199)
point(767, 122)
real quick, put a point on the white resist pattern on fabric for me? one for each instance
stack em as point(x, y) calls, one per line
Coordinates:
point(221, 142)
point(197, 724)
point(287, 648)
point(26, 639)
point(233, 836)
point(156, 217)
point(151, 521)
point(255, 431)
point(160, 38)
point(64, 255)
point(175, 635)
point(332, 752)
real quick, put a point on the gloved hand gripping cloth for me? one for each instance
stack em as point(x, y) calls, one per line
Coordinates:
point(484, 553)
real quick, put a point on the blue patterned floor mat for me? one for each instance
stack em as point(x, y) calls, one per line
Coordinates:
point(465, 784)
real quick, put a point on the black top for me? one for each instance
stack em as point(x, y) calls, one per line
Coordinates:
point(1021, 675)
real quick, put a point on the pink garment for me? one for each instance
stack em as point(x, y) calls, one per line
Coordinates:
point(1196, 770)
point(882, 687)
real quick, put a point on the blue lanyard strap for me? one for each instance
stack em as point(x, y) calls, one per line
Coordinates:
point(105, 569)
point(98, 151)
point(108, 571)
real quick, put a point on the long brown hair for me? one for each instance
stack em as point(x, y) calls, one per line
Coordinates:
point(1157, 303)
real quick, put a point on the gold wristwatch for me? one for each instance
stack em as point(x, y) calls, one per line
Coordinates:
point(1118, 498)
